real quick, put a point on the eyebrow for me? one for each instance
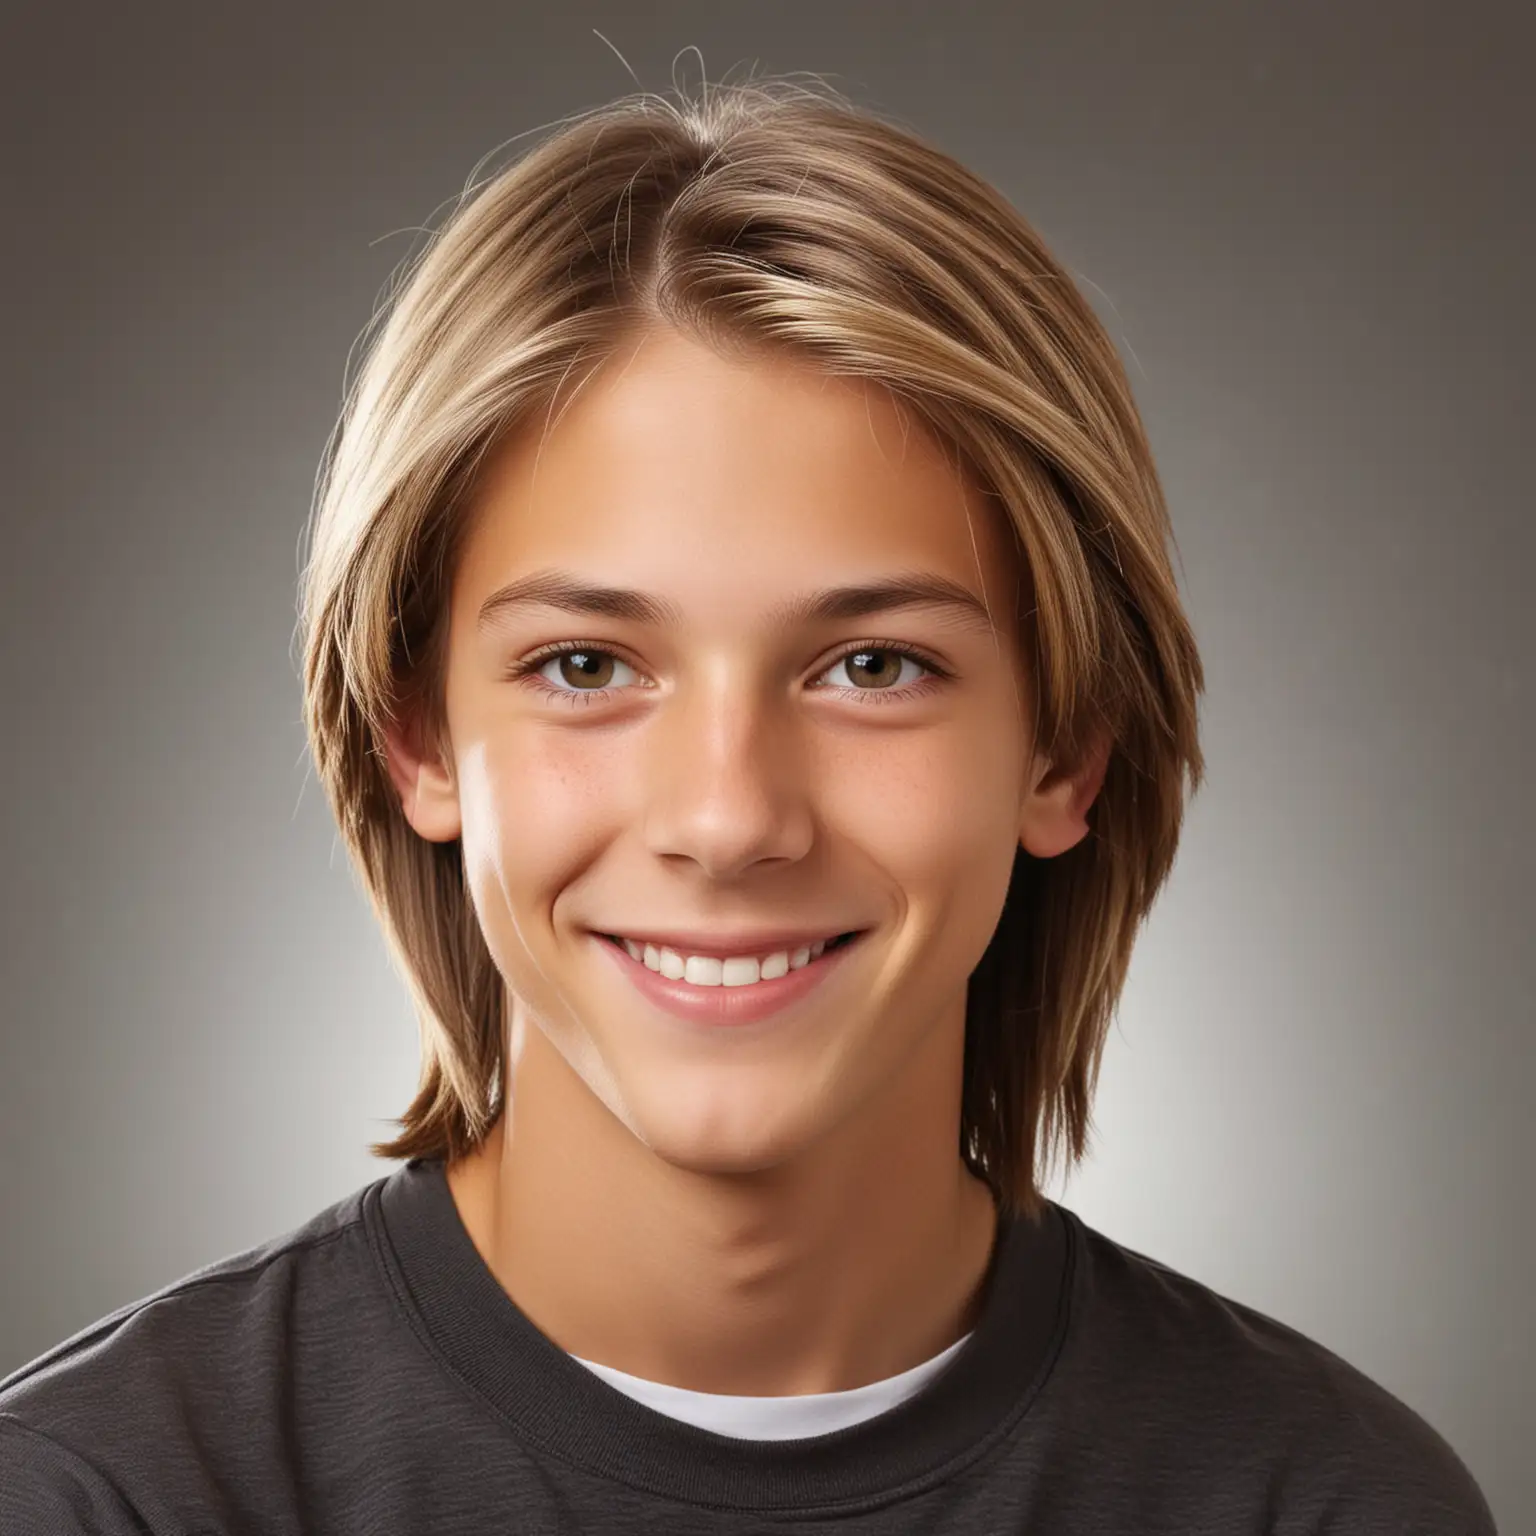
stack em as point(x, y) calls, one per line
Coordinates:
point(906, 589)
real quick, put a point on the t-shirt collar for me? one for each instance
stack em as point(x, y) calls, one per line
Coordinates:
point(556, 1406)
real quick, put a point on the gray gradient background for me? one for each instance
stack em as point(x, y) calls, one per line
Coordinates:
point(1309, 233)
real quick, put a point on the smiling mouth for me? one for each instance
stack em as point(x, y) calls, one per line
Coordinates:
point(737, 971)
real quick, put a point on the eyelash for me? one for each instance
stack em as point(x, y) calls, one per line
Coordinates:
point(526, 671)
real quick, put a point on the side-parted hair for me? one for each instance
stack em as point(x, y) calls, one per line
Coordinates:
point(767, 215)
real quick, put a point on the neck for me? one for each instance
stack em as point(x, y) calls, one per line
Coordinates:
point(851, 1262)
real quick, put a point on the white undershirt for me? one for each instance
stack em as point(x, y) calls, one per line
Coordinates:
point(776, 1418)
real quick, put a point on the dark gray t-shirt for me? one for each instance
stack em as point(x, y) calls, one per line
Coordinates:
point(366, 1375)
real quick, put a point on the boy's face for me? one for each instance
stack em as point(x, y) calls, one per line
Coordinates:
point(717, 772)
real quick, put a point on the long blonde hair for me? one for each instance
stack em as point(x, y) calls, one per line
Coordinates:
point(766, 214)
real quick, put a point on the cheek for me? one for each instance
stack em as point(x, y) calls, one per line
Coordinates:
point(530, 823)
point(533, 808)
point(933, 807)
point(940, 819)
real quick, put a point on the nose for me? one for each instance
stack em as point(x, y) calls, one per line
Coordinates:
point(725, 780)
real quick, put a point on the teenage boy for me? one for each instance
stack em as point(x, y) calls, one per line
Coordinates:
point(745, 662)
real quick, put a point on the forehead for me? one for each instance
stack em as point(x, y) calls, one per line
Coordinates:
point(727, 484)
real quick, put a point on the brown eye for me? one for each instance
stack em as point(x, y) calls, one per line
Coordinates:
point(880, 667)
point(573, 671)
point(877, 669)
point(585, 669)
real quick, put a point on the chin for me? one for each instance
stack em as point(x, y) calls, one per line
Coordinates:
point(717, 1164)
point(720, 1145)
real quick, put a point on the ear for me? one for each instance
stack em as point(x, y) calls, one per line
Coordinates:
point(429, 794)
point(1055, 812)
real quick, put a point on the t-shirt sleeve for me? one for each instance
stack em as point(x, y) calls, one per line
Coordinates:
point(47, 1490)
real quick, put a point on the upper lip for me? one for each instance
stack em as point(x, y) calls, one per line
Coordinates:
point(723, 945)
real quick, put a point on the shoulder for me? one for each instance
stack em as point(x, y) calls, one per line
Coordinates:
point(1337, 1452)
point(44, 1486)
point(188, 1364)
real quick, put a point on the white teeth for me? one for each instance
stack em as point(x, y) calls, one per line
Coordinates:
point(707, 971)
point(742, 973)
